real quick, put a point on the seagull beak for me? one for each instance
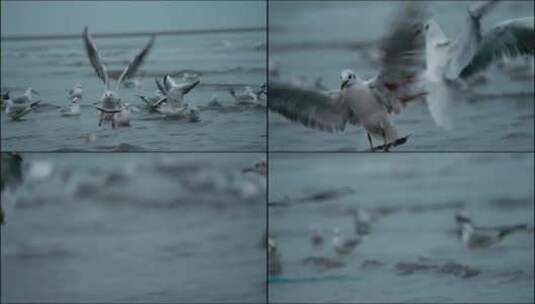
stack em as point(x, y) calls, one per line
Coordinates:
point(344, 84)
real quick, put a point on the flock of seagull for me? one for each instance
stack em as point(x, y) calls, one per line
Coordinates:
point(471, 236)
point(417, 63)
point(168, 99)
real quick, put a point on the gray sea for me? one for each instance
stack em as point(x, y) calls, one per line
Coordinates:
point(412, 253)
point(134, 228)
point(228, 53)
point(311, 39)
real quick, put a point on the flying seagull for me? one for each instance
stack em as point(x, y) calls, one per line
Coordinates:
point(174, 97)
point(365, 102)
point(110, 99)
point(449, 63)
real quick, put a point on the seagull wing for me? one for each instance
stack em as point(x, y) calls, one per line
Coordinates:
point(94, 57)
point(162, 89)
point(480, 8)
point(186, 87)
point(134, 65)
point(324, 111)
point(511, 38)
point(21, 99)
point(403, 57)
point(466, 45)
point(168, 82)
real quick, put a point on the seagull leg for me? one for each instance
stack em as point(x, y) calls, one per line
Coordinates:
point(370, 141)
point(386, 145)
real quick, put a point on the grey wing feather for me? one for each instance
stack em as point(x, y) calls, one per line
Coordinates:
point(162, 89)
point(467, 43)
point(480, 8)
point(326, 112)
point(94, 57)
point(403, 47)
point(21, 99)
point(512, 38)
point(134, 65)
point(402, 60)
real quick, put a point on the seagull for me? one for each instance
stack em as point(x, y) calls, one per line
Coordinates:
point(249, 96)
point(362, 221)
point(73, 109)
point(110, 99)
point(26, 98)
point(259, 167)
point(174, 96)
point(175, 92)
point(451, 63)
point(17, 111)
point(153, 103)
point(123, 117)
point(274, 257)
point(315, 235)
point(76, 91)
point(481, 237)
point(365, 102)
point(344, 246)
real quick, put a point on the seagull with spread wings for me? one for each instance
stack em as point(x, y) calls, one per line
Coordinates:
point(449, 63)
point(110, 99)
point(365, 102)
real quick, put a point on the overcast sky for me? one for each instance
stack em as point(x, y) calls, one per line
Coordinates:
point(61, 17)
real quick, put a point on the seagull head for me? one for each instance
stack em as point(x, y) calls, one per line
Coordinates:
point(434, 34)
point(348, 78)
point(462, 217)
point(30, 92)
point(110, 96)
point(78, 85)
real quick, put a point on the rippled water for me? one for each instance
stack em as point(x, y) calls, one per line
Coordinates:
point(134, 228)
point(314, 39)
point(223, 60)
point(422, 192)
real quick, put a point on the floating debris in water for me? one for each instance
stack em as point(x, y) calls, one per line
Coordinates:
point(323, 263)
point(455, 269)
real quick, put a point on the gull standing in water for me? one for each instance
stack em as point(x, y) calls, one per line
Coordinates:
point(249, 96)
point(27, 97)
point(366, 102)
point(316, 238)
point(451, 62)
point(344, 246)
point(481, 237)
point(19, 110)
point(123, 117)
point(174, 96)
point(76, 91)
point(110, 99)
point(73, 109)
